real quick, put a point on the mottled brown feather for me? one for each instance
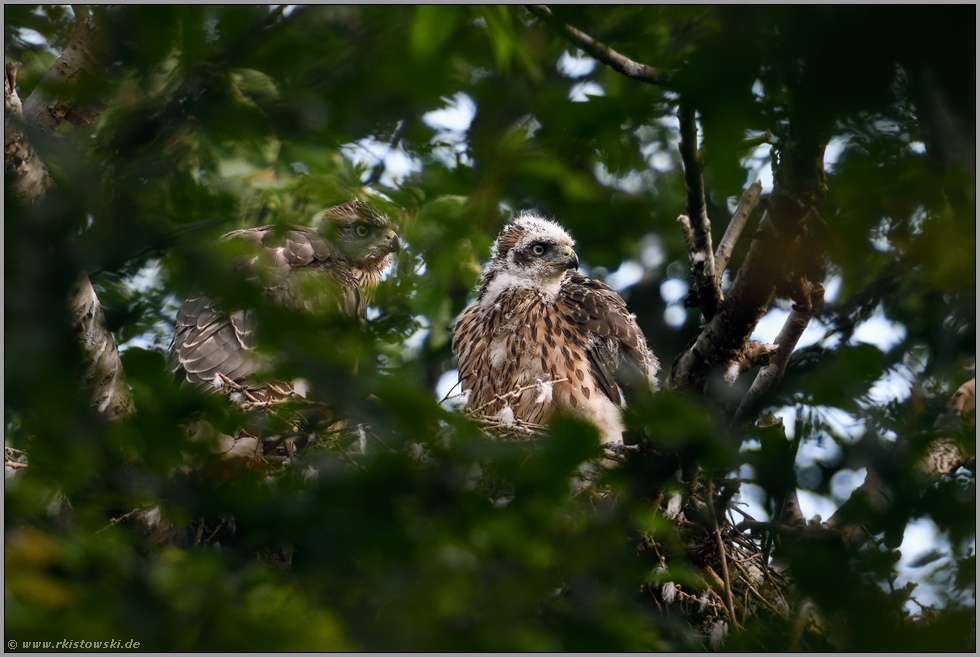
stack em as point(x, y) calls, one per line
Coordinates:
point(208, 340)
point(585, 334)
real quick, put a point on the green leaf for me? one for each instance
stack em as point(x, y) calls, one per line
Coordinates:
point(432, 26)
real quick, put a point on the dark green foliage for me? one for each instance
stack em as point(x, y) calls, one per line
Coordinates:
point(439, 538)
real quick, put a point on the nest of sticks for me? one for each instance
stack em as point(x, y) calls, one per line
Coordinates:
point(723, 577)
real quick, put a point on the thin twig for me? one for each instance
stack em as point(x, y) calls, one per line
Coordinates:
point(721, 601)
point(349, 457)
point(722, 555)
point(518, 391)
point(383, 443)
point(602, 52)
point(757, 555)
point(215, 532)
point(758, 595)
point(774, 527)
point(750, 197)
point(251, 401)
point(200, 532)
point(116, 521)
point(379, 168)
point(724, 573)
point(450, 391)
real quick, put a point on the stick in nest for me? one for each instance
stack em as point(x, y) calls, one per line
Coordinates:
point(496, 425)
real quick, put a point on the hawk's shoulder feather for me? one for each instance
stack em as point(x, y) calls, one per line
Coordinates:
point(614, 342)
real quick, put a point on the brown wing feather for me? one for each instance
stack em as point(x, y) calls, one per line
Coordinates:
point(470, 341)
point(207, 340)
point(616, 349)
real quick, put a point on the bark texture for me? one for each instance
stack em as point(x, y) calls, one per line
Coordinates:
point(736, 225)
point(58, 96)
point(104, 375)
point(27, 177)
point(696, 226)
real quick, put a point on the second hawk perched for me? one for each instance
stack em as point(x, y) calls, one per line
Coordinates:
point(538, 321)
point(350, 247)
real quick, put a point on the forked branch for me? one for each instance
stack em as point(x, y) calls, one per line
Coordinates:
point(772, 257)
point(810, 300)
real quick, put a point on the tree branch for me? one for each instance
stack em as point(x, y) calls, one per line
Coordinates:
point(87, 54)
point(27, 177)
point(750, 197)
point(104, 374)
point(811, 298)
point(758, 140)
point(943, 456)
point(755, 353)
point(698, 237)
point(601, 51)
point(81, 12)
point(799, 188)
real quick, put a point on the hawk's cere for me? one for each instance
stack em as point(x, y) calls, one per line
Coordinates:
point(539, 324)
point(351, 246)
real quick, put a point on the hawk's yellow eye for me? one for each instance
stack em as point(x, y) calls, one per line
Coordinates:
point(537, 249)
point(361, 230)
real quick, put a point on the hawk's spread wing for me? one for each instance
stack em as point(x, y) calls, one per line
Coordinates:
point(615, 348)
point(209, 340)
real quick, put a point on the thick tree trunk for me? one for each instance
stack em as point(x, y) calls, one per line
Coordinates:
point(55, 99)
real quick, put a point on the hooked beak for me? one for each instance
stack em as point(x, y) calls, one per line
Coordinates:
point(393, 244)
point(570, 259)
